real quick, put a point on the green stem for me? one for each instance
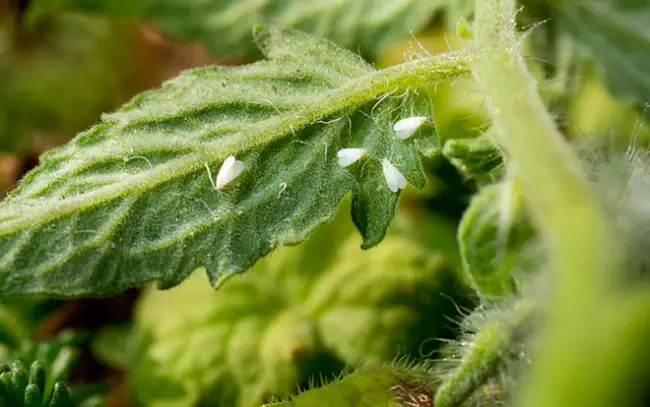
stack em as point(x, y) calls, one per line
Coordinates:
point(557, 193)
point(486, 354)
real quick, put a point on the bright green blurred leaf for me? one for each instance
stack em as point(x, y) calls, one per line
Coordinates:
point(476, 156)
point(129, 201)
point(457, 10)
point(596, 113)
point(58, 78)
point(19, 317)
point(113, 345)
point(494, 237)
point(223, 26)
point(13, 329)
point(302, 312)
point(617, 35)
point(384, 386)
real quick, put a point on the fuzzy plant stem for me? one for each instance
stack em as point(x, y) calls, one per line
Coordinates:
point(560, 200)
point(483, 359)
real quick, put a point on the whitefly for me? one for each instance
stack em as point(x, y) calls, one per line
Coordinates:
point(348, 156)
point(405, 128)
point(394, 178)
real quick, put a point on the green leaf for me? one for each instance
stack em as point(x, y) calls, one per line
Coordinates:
point(49, 362)
point(223, 26)
point(13, 330)
point(301, 313)
point(495, 240)
point(385, 386)
point(60, 395)
point(20, 388)
point(19, 317)
point(19, 380)
point(129, 201)
point(476, 156)
point(33, 397)
point(72, 70)
point(37, 375)
point(617, 34)
point(7, 394)
point(113, 345)
point(457, 10)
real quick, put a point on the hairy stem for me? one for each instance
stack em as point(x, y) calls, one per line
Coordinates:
point(558, 195)
point(486, 354)
point(557, 192)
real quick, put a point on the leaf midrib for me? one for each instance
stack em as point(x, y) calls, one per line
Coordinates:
point(353, 94)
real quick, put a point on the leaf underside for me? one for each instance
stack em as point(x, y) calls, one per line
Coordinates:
point(129, 201)
point(473, 156)
point(495, 238)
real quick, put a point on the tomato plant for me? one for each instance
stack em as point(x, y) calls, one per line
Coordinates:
point(353, 203)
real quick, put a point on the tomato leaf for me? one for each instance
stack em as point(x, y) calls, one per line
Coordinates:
point(130, 201)
point(495, 238)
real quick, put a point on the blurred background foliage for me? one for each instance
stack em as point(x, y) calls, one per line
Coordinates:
point(303, 313)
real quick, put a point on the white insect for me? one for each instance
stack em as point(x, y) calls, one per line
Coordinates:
point(406, 127)
point(230, 169)
point(348, 156)
point(394, 178)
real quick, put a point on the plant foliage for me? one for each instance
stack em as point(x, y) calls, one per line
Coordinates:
point(525, 233)
point(223, 27)
point(34, 374)
point(130, 201)
point(495, 239)
point(292, 315)
point(616, 34)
